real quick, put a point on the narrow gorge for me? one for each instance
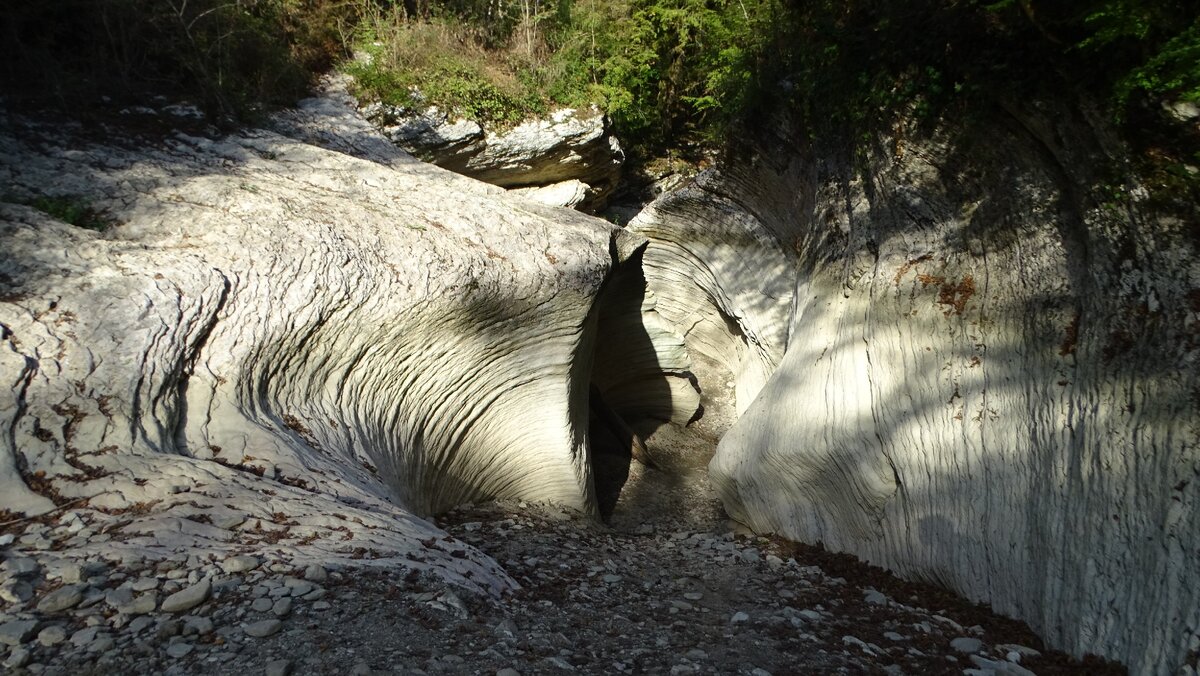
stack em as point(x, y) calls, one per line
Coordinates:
point(282, 351)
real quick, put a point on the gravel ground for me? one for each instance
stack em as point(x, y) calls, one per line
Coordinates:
point(668, 587)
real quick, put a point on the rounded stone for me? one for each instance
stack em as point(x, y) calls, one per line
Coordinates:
point(262, 628)
point(965, 644)
point(52, 635)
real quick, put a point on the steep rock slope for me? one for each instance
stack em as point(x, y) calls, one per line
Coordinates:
point(272, 331)
point(982, 371)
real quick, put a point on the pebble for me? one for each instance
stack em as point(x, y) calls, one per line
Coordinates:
point(261, 605)
point(315, 573)
point(63, 598)
point(102, 643)
point(239, 564)
point(22, 567)
point(279, 668)
point(559, 663)
point(178, 650)
point(1023, 651)
point(506, 629)
point(125, 603)
point(875, 598)
point(298, 587)
point(16, 632)
point(994, 667)
point(52, 635)
point(321, 605)
point(18, 658)
point(508, 671)
point(282, 607)
point(16, 591)
point(739, 617)
point(144, 584)
point(188, 598)
point(964, 644)
point(195, 624)
point(168, 628)
point(228, 521)
point(262, 628)
point(140, 624)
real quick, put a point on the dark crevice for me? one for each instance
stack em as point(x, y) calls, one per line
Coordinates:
point(627, 397)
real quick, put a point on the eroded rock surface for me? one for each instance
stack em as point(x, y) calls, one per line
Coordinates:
point(571, 155)
point(965, 365)
point(285, 342)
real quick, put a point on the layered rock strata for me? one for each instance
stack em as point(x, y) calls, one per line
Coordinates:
point(965, 364)
point(274, 342)
point(570, 158)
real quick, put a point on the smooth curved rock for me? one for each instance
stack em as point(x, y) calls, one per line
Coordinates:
point(568, 194)
point(721, 263)
point(289, 341)
point(990, 378)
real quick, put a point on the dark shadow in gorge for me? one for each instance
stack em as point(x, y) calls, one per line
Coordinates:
point(629, 392)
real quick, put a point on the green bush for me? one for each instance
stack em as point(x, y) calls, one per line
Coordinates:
point(412, 63)
point(70, 209)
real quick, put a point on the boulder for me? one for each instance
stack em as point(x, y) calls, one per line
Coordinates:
point(964, 363)
point(569, 194)
point(562, 153)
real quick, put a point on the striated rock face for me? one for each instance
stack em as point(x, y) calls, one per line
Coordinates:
point(559, 153)
point(722, 265)
point(962, 365)
point(273, 332)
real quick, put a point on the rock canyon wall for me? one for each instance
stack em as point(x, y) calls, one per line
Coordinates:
point(292, 325)
point(960, 361)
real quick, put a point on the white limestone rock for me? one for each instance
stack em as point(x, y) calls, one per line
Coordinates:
point(568, 194)
point(976, 373)
point(285, 347)
point(262, 628)
point(187, 598)
point(723, 276)
point(61, 599)
point(239, 564)
point(554, 156)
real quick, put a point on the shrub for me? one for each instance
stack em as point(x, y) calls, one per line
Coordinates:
point(70, 209)
point(412, 63)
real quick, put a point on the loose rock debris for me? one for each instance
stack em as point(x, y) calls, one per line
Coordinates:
point(668, 588)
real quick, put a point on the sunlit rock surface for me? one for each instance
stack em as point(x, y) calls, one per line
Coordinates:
point(981, 372)
point(722, 263)
point(311, 343)
point(563, 150)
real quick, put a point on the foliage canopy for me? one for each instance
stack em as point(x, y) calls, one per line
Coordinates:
point(667, 71)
